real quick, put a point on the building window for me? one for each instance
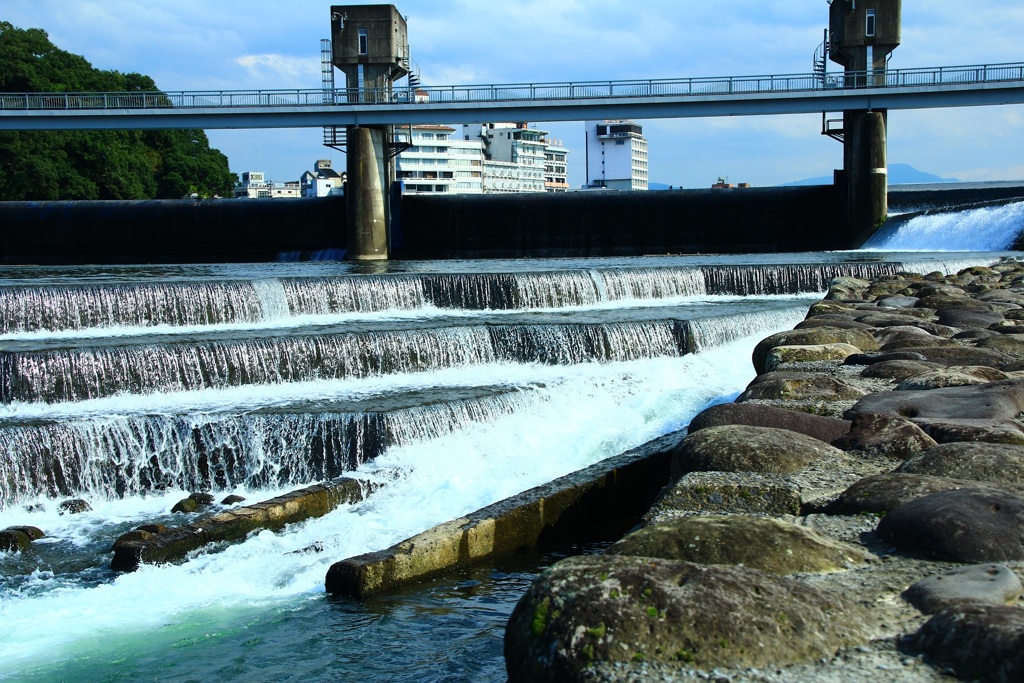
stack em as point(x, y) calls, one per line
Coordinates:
point(869, 27)
point(364, 42)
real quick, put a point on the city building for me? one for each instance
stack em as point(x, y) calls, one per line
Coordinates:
point(255, 185)
point(322, 181)
point(616, 155)
point(519, 158)
point(437, 164)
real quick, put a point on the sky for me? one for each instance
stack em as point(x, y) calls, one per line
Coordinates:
point(270, 44)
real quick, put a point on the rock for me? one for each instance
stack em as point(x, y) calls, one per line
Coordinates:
point(898, 301)
point(961, 525)
point(810, 336)
point(838, 309)
point(897, 369)
point(739, 492)
point(898, 342)
point(904, 317)
point(885, 435)
point(952, 376)
point(979, 584)
point(186, 506)
point(994, 463)
point(75, 506)
point(758, 542)
point(989, 431)
point(964, 355)
point(845, 287)
point(1008, 344)
point(202, 498)
point(33, 533)
point(232, 500)
point(979, 641)
point(824, 429)
point(154, 528)
point(881, 493)
point(780, 355)
point(814, 388)
point(1001, 400)
point(195, 502)
point(845, 322)
point(12, 541)
point(876, 358)
point(740, 448)
point(621, 609)
point(974, 333)
point(961, 316)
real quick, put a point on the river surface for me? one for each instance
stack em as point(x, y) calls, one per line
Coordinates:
point(451, 384)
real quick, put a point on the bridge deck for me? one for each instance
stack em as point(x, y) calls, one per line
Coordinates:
point(950, 86)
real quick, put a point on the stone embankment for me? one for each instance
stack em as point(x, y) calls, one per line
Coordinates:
point(856, 515)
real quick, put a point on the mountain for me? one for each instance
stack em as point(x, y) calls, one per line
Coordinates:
point(899, 174)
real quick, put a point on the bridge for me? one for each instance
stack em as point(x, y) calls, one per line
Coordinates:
point(892, 89)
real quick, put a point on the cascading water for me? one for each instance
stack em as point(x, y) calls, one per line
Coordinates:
point(989, 228)
point(455, 389)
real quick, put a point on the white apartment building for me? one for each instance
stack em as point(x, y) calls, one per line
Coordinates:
point(438, 164)
point(616, 155)
point(322, 181)
point(520, 158)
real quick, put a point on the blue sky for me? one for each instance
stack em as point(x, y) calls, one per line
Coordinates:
point(226, 44)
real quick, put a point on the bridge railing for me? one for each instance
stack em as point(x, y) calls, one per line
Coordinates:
point(521, 92)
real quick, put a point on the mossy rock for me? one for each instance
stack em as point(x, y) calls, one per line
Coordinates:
point(758, 542)
point(810, 336)
point(612, 608)
point(743, 448)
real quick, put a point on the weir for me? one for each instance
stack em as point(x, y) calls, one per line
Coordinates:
point(446, 386)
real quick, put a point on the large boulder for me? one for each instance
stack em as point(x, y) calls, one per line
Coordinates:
point(885, 435)
point(1008, 344)
point(952, 376)
point(897, 369)
point(810, 336)
point(731, 492)
point(758, 542)
point(961, 525)
point(977, 584)
point(1002, 400)
point(986, 462)
point(740, 448)
point(822, 388)
point(963, 317)
point(880, 493)
point(980, 642)
point(631, 609)
point(825, 429)
point(963, 355)
point(808, 353)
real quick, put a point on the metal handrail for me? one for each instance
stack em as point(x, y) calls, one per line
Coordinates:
point(773, 84)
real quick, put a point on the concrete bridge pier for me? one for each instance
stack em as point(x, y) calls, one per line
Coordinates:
point(867, 176)
point(368, 167)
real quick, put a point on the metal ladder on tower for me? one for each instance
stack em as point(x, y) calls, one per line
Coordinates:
point(334, 136)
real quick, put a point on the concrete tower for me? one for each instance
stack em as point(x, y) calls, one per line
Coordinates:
point(862, 35)
point(370, 45)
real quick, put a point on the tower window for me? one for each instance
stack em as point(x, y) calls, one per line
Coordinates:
point(869, 26)
point(364, 42)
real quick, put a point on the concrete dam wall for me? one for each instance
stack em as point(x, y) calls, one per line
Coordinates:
point(488, 226)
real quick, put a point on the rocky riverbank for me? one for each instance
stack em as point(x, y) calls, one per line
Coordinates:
point(856, 515)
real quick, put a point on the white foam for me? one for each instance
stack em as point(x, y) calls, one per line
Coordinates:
point(990, 228)
point(604, 410)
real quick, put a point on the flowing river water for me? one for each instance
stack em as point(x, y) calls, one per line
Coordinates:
point(452, 384)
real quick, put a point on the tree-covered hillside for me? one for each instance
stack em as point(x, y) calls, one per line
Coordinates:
point(121, 164)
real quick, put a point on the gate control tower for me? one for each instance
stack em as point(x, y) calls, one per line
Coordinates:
point(862, 35)
point(370, 45)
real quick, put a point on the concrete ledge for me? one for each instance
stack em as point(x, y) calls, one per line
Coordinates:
point(169, 545)
point(602, 500)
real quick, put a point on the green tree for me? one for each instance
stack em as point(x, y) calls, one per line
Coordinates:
point(51, 165)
